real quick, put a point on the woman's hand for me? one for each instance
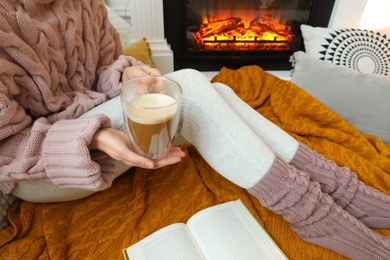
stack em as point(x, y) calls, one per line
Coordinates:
point(137, 71)
point(116, 144)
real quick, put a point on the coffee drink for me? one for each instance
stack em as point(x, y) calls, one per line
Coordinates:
point(151, 110)
point(149, 119)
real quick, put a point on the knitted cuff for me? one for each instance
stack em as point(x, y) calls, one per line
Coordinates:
point(67, 159)
point(110, 79)
point(287, 192)
point(337, 181)
point(312, 162)
point(7, 187)
point(314, 216)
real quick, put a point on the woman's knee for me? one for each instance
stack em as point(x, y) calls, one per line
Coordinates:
point(223, 89)
point(190, 80)
point(197, 88)
point(186, 73)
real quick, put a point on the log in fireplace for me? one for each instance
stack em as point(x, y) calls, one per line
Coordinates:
point(209, 34)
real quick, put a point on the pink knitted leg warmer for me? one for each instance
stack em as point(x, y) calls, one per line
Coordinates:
point(367, 204)
point(314, 216)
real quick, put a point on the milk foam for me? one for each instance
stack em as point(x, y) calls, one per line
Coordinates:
point(157, 108)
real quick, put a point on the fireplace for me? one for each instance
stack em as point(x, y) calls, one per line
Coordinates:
point(209, 34)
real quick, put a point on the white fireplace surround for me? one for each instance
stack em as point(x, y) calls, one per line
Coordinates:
point(147, 20)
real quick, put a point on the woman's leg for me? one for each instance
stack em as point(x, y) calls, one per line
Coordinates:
point(232, 149)
point(276, 138)
point(218, 133)
point(315, 217)
point(367, 204)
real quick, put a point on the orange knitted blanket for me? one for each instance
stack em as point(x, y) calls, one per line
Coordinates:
point(143, 201)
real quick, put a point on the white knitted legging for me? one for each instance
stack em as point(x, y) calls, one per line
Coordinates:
point(225, 130)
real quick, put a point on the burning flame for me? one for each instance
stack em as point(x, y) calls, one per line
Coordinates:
point(231, 33)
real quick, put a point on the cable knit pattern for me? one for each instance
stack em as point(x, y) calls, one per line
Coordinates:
point(110, 79)
point(314, 216)
point(367, 204)
point(337, 178)
point(58, 60)
point(143, 201)
point(66, 170)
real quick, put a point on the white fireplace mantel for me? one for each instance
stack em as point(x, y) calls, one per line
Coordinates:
point(147, 20)
point(347, 13)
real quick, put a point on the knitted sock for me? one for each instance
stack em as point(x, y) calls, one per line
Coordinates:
point(314, 216)
point(228, 144)
point(278, 140)
point(221, 137)
point(365, 203)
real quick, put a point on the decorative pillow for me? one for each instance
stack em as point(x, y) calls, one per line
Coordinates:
point(362, 99)
point(141, 51)
point(121, 25)
point(363, 50)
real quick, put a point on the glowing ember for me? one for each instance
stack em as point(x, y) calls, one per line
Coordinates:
point(231, 34)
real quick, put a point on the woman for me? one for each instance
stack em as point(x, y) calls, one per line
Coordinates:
point(62, 136)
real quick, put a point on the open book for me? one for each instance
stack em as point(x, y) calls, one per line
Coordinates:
point(222, 232)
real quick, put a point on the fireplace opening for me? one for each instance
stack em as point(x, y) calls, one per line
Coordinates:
point(209, 34)
point(231, 34)
point(242, 26)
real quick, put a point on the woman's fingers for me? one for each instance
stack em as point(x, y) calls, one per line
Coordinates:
point(171, 156)
point(116, 144)
point(137, 71)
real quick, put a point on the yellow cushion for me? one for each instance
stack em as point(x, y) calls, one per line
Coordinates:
point(141, 51)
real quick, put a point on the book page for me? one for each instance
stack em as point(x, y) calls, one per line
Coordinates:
point(171, 242)
point(229, 232)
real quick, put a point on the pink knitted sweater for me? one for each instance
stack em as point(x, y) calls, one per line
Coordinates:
point(58, 59)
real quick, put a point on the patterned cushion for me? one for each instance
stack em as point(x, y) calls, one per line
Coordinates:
point(363, 50)
point(362, 99)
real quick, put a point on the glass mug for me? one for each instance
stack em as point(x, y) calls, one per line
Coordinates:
point(151, 110)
